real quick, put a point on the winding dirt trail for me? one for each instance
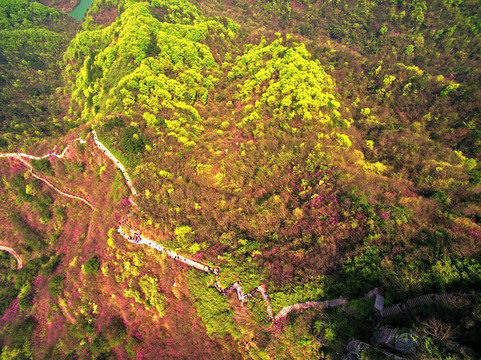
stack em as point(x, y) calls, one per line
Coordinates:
point(86, 202)
point(14, 254)
point(65, 310)
point(19, 157)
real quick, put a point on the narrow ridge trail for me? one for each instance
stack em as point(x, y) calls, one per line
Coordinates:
point(14, 254)
point(19, 157)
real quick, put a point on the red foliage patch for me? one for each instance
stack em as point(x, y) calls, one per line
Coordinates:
point(106, 16)
point(9, 315)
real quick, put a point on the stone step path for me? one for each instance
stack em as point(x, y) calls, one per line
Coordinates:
point(263, 290)
point(236, 286)
point(309, 305)
point(116, 162)
point(136, 238)
point(412, 303)
point(33, 157)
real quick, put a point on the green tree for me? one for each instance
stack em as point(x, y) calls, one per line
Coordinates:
point(92, 265)
point(131, 140)
point(42, 165)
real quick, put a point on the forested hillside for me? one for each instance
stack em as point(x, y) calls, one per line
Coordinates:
point(373, 39)
point(318, 150)
point(32, 40)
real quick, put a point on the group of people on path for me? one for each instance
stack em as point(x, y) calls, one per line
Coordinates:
point(137, 238)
